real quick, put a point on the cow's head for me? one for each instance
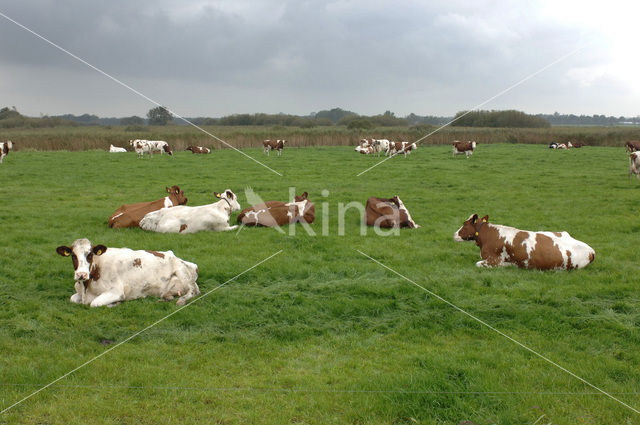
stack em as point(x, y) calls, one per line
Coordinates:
point(231, 199)
point(301, 198)
point(81, 253)
point(470, 228)
point(409, 221)
point(177, 194)
point(167, 149)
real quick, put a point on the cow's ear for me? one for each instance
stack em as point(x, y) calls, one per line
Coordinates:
point(99, 249)
point(485, 219)
point(305, 195)
point(229, 194)
point(65, 251)
point(217, 194)
point(474, 219)
point(168, 189)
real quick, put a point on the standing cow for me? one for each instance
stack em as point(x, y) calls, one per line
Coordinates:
point(633, 146)
point(466, 148)
point(129, 215)
point(5, 147)
point(270, 145)
point(405, 148)
point(634, 164)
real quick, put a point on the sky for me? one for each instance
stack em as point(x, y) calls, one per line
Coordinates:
point(216, 58)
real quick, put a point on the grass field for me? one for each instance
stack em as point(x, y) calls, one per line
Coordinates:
point(320, 334)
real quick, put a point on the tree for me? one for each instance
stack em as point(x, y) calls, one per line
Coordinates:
point(159, 116)
point(133, 120)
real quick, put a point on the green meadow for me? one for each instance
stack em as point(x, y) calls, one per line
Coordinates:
point(320, 334)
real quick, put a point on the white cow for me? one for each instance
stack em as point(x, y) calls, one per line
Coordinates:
point(114, 149)
point(381, 145)
point(159, 146)
point(634, 164)
point(107, 276)
point(183, 219)
point(5, 147)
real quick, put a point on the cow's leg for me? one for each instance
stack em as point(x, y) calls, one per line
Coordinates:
point(107, 298)
point(76, 298)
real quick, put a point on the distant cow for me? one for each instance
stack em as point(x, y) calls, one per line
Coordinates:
point(276, 213)
point(405, 148)
point(5, 147)
point(463, 148)
point(508, 246)
point(562, 146)
point(388, 213)
point(553, 145)
point(198, 149)
point(184, 219)
point(115, 149)
point(159, 146)
point(578, 144)
point(380, 146)
point(129, 215)
point(365, 150)
point(634, 164)
point(270, 145)
point(633, 146)
point(365, 143)
point(141, 147)
point(107, 276)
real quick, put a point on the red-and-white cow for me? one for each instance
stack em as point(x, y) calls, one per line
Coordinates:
point(277, 213)
point(405, 148)
point(632, 146)
point(129, 215)
point(388, 213)
point(141, 147)
point(198, 149)
point(365, 150)
point(634, 164)
point(464, 148)
point(108, 276)
point(508, 246)
point(184, 219)
point(270, 145)
point(365, 143)
point(5, 147)
point(159, 146)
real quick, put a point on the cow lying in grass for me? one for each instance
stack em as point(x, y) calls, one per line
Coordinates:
point(108, 276)
point(198, 149)
point(277, 213)
point(388, 213)
point(183, 219)
point(129, 215)
point(508, 246)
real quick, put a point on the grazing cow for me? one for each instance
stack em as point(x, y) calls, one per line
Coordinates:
point(633, 146)
point(270, 145)
point(108, 276)
point(388, 212)
point(183, 219)
point(5, 147)
point(396, 148)
point(159, 146)
point(129, 215)
point(381, 145)
point(276, 213)
point(365, 150)
point(634, 164)
point(115, 149)
point(506, 246)
point(464, 148)
point(198, 149)
point(553, 145)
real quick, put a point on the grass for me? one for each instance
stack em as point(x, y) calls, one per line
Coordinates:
point(320, 334)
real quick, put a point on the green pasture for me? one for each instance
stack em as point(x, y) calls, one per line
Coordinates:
point(320, 334)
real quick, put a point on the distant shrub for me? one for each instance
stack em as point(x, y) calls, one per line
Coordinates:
point(510, 118)
point(360, 124)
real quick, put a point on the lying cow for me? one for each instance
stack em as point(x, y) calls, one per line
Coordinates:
point(466, 148)
point(5, 147)
point(553, 145)
point(578, 144)
point(365, 143)
point(107, 276)
point(198, 149)
point(633, 146)
point(388, 212)
point(365, 150)
point(115, 149)
point(634, 164)
point(405, 148)
point(507, 246)
point(129, 215)
point(183, 219)
point(277, 213)
point(270, 145)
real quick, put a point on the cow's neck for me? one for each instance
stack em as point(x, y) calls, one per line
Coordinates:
point(480, 232)
point(227, 206)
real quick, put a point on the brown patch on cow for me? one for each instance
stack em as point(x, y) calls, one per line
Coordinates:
point(569, 264)
point(558, 234)
point(95, 272)
point(74, 259)
point(545, 255)
point(518, 250)
point(592, 257)
point(182, 227)
point(156, 253)
point(137, 263)
point(490, 244)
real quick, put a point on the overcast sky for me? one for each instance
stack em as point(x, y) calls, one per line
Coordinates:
point(213, 58)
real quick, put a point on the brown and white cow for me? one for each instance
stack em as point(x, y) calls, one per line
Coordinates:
point(365, 143)
point(270, 145)
point(633, 145)
point(388, 213)
point(5, 147)
point(396, 148)
point(129, 215)
point(277, 213)
point(108, 276)
point(466, 148)
point(159, 146)
point(508, 246)
point(198, 149)
point(634, 164)
point(365, 150)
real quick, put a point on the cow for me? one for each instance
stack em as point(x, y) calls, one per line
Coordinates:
point(129, 215)
point(277, 213)
point(5, 147)
point(388, 213)
point(508, 246)
point(633, 146)
point(464, 148)
point(159, 146)
point(405, 148)
point(562, 146)
point(578, 144)
point(634, 164)
point(553, 145)
point(184, 219)
point(381, 145)
point(108, 276)
point(365, 143)
point(198, 149)
point(365, 150)
point(141, 147)
point(115, 149)
point(270, 145)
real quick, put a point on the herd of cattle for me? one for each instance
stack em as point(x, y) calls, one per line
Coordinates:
point(108, 276)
